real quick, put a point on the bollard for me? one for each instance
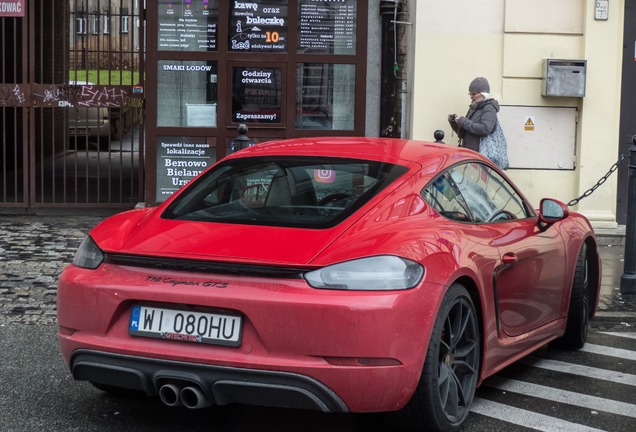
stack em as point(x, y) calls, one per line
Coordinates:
point(242, 140)
point(439, 136)
point(628, 279)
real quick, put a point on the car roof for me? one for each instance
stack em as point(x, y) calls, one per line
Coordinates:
point(380, 149)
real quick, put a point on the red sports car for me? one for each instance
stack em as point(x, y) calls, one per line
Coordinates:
point(336, 274)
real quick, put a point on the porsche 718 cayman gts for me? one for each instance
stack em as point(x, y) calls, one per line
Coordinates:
point(336, 274)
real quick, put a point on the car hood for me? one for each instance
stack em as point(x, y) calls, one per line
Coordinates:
point(145, 233)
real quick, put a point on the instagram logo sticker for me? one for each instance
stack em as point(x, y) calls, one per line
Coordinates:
point(324, 176)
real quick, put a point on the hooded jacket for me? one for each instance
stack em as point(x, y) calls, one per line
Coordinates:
point(480, 121)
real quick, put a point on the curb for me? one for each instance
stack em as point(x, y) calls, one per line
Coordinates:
point(626, 321)
point(610, 240)
point(611, 237)
point(615, 316)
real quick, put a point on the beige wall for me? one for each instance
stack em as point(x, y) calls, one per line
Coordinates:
point(506, 41)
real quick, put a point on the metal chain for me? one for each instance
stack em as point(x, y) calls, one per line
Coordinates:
point(602, 180)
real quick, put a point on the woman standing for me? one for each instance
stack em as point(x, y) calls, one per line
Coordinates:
point(481, 118)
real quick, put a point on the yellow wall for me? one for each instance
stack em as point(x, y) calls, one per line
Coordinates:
point(506, 41)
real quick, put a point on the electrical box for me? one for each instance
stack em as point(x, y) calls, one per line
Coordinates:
point(540, 137)
point(565, 78)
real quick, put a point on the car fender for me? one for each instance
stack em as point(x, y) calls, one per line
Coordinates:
point(577, 231)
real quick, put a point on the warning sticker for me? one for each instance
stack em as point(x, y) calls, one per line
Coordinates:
point(529, 124)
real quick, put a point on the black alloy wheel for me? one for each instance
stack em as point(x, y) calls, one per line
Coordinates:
point(447, 387)
point(579, 311)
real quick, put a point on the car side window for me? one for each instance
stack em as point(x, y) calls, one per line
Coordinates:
point(474, 192)
point(444, 196)
point(488, 195)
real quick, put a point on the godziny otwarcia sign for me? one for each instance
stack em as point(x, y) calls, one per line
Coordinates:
point(11, 8)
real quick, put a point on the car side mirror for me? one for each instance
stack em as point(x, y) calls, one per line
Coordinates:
point(551, 211)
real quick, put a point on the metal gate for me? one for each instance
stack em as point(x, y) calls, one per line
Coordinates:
point(71, 104)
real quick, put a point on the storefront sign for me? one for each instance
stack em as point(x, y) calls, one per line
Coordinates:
point(12, 8)
point(186, 25)
point(179, 160)
point(258, 26)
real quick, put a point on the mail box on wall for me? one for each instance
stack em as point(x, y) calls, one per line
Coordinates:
point(565, 78)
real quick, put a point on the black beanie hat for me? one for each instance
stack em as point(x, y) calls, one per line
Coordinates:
point(479, 85)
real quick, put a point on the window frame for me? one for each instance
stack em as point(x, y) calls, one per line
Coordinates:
point(95, 23)
point(124, 20)
point(106, 23)
point(81, 25)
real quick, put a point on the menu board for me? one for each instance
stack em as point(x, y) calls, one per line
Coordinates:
point(179, 160)
point(258, 26)
point(188, 25)
point(327, 27)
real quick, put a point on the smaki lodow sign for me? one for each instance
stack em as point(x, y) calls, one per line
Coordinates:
point(11, 8)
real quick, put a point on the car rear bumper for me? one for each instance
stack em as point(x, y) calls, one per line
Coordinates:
point(367, 348)
point(220, 385)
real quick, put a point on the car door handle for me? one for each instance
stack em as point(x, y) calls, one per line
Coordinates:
point(509, 258)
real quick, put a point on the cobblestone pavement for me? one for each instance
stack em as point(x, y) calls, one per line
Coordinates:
point(33, 252)
point(35, 249)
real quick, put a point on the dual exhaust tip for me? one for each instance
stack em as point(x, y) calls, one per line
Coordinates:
point(189, 396)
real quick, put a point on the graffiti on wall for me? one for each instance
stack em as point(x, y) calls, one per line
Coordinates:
point(13, 95)
point(68, 95)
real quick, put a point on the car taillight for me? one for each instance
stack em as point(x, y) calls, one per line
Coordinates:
point(88, 255)
point(378, 273)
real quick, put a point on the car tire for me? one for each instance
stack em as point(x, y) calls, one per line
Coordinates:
point(579, 311)
point(446, 389)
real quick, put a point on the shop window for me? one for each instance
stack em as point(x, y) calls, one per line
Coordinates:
point(186, 93)
point(258, 26)
point(257, 94)
point(325, 96)
point(188, 26)
point(327, 27)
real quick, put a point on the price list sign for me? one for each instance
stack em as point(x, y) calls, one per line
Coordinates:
point(327, 27)
point(258, 26)
point(188, 25)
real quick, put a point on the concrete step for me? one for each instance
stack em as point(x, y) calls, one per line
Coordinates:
point(611, 236)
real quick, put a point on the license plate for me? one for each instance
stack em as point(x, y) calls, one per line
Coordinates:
point(187, 326)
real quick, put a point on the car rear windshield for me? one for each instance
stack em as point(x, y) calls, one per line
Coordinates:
point(303, 192)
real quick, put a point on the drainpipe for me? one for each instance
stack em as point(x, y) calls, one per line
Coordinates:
point(394, 91)
point(403, 94)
